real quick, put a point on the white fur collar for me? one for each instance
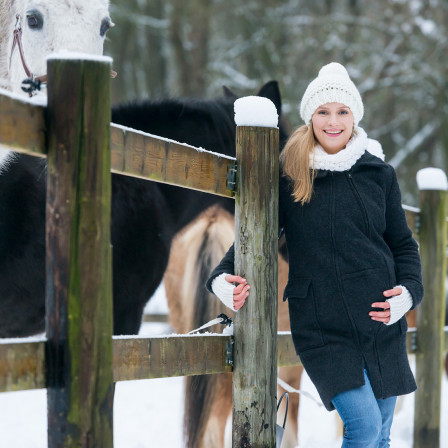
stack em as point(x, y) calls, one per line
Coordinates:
point(347, 157)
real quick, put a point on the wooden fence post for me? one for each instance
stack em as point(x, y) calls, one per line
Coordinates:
point(256, 248)
point(79, 272)
point(431, 315)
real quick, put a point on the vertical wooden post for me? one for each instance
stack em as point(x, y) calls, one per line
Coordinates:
point(79, 273)
point(256, 248)
point(430, 318)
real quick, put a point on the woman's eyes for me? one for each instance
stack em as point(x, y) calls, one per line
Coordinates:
point(324, 112)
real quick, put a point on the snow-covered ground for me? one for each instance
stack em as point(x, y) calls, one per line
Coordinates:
point(148, 413)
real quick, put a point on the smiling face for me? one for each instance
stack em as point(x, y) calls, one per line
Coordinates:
point(333, 126)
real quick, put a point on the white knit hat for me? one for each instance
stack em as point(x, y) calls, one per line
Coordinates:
point(332, 85)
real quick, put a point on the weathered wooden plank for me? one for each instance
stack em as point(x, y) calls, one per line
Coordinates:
point(137, 154)
point(286, 353)
point(430, 319)
point(22, 125)
point(171, 356)
point(133, 153)
point(255, 325)
point(22, 366)
point(156, 317)
point(79, 259)
point(412, 217)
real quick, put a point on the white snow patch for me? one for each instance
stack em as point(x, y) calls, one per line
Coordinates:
point(39, 100)
point(126, 129)
point(36, 338)
point(73, 55)
point(255, 111)
point(412, 209)
point(168, 336)
point(428, 27)
point(157, 304)
point(432, 179)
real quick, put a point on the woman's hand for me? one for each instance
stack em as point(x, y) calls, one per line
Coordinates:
point(384, 316)
point(240, 292)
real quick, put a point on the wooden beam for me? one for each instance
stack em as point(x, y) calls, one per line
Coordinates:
point(412, 218)
point(169, 356)
point(79, 256)
point(255, 325)
point(134, 153)
point(22, 364)
point(137, 154)
point(22, 125)
point(431, 319)
point(157, 318)
point(286, 353)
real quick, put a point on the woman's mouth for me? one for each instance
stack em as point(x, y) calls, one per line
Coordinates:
point(333, 133)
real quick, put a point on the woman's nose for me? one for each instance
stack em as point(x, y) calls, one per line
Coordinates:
point(333, 119)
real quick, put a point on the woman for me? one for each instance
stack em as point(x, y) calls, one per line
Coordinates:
point(354, 268)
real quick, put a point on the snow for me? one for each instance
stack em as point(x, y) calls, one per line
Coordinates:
point(255, 111)
point(411, 209)
point(145, 134)
point(431, 179)
point(39, 100)
point(149, 413)
point(73, 55)
point(427, 27)
point(37, 338)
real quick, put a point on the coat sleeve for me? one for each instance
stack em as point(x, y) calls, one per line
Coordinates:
point(404, 248)
point(226, 265)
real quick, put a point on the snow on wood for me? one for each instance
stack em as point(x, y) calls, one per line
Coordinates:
point(255, 111)
point(431, 179)
point(73, 55)
point(40, 100)
point(146, 134)
point(36, 338)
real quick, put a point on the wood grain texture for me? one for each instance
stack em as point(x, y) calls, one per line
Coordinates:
point(147, 157)
point(22, 365)
point(22, 126)
point(79, 271)
point(255, 325)
point(166, 357)
point(430, 319)
point(133, 153)
point(412, 218)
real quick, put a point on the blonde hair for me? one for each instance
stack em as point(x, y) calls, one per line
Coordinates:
point(295, 162)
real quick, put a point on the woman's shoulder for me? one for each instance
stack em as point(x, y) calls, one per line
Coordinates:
point(374, 168)
point(375, 160)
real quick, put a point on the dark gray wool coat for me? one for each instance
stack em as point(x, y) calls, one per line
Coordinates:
point(346, 246)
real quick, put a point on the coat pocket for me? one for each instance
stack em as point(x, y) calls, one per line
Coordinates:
point(305, 328)
point(361, 289)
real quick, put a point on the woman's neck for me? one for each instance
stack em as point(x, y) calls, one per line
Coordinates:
point(345, 158)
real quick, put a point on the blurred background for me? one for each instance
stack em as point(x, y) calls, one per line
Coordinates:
point(396, 53)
